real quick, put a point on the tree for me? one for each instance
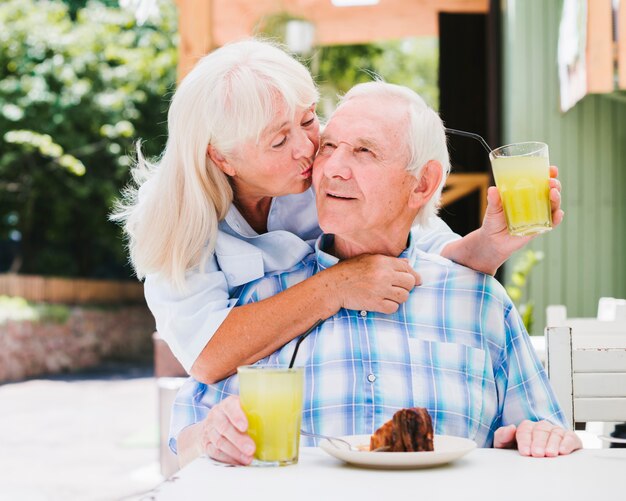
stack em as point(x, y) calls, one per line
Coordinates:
point(73, 98)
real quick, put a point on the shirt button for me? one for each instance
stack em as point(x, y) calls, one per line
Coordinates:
point(371, 378)
point(363, 313)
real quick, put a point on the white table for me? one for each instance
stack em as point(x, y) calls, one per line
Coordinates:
point(484, 474)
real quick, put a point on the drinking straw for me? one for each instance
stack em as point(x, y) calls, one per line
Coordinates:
point(478, 138)
point(295, 351)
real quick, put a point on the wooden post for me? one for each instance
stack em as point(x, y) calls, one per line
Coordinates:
point(195, 28)
point(600, 60)
point(621, 45)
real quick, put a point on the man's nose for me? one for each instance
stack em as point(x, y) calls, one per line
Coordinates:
point(337, 164)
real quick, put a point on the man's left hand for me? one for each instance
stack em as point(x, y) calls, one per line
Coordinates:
point(494, 224)
point(537, 439)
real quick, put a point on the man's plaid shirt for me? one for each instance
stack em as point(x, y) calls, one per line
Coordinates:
point(457, 347)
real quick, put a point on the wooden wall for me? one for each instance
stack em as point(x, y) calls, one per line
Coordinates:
point(70, 290)
point(206, 24)
point(586, 255)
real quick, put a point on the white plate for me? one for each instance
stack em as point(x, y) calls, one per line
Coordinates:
point(447, 449)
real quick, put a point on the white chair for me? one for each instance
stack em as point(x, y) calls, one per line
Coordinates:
point(586, 364)
point(611, 309)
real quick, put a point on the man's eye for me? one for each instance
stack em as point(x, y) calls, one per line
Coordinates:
point(362, 149)
point(327, 148)
point(278, 145)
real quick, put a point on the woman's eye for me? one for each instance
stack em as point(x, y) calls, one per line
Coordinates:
point(278, 145)
point(308, 122)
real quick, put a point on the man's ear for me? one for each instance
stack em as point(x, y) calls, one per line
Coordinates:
point(218, 159)
point(426, 185)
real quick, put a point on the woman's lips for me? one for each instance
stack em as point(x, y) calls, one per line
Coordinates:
point(308, 172)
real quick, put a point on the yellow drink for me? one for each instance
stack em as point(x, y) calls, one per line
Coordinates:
point(271, 398)
point(522, 179)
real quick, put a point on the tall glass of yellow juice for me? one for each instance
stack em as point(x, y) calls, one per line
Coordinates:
point(522, 175)
point(271, 398)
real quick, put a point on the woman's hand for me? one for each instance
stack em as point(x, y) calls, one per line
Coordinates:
point(373, 282)
point(222, 435)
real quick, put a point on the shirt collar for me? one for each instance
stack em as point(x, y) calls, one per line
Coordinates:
point(326, 260)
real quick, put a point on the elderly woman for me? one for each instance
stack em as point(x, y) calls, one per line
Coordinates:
point(229, 201)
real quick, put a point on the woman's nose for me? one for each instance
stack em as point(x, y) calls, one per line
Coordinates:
point(304, 147)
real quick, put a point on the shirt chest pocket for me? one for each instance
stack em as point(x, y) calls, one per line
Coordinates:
point(449, 379)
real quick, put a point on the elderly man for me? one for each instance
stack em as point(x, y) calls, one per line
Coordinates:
point(457, 346)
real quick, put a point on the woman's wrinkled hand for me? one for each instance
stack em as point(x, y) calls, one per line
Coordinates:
point(373, 282)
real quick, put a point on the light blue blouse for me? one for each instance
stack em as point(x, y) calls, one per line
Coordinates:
point(187, 320)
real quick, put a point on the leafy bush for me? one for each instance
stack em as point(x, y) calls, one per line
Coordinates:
point(75, 91)
point(518, 283)
point(17, 309)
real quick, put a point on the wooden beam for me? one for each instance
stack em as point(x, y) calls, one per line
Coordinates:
point(462, 184)
point(621, 45)
point(390, 19)
point(195, 29)
point(600, 60)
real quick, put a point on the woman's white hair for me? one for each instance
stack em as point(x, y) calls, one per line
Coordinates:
point(426, 136)
point(170, 213)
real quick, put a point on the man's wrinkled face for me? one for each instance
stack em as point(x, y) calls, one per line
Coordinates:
point(359, 174)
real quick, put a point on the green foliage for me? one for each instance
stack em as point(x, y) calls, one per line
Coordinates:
point(517, 288)
point(74, 93)
point(411, 62)
point(19, 309)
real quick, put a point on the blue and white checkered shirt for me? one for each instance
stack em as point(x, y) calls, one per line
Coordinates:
point(457, 347)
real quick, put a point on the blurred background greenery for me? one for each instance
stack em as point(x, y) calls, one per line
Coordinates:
point(78, 84)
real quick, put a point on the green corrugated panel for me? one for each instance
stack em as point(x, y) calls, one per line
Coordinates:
point(586, 256)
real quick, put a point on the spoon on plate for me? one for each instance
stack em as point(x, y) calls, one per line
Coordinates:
point(334, 440)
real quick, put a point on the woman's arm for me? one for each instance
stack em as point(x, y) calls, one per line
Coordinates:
point(253, 331)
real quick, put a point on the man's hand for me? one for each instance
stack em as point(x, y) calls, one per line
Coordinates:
point(223, 434)
point(486, 248)
point(494, 224)
point(537, 439)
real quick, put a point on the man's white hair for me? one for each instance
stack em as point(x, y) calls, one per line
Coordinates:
point(171, 214)
point(426, 136)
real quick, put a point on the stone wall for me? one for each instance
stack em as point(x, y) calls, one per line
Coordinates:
point(89, 336)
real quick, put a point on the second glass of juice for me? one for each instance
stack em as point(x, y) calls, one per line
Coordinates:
point(522, 175)
point(271, 398)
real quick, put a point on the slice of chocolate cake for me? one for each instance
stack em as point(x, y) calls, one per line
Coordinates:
point(410, 430)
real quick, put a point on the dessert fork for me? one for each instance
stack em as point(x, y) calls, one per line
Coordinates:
point(333, 441)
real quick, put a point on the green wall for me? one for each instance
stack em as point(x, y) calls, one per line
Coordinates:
point(585, 258)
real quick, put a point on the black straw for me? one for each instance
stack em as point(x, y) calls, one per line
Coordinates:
point(295, 351)
point(478, 138)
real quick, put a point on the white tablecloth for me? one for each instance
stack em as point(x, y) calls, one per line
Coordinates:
point(482, 475)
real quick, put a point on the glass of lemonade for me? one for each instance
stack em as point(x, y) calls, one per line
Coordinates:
point(271, 398)
point(522, 175)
